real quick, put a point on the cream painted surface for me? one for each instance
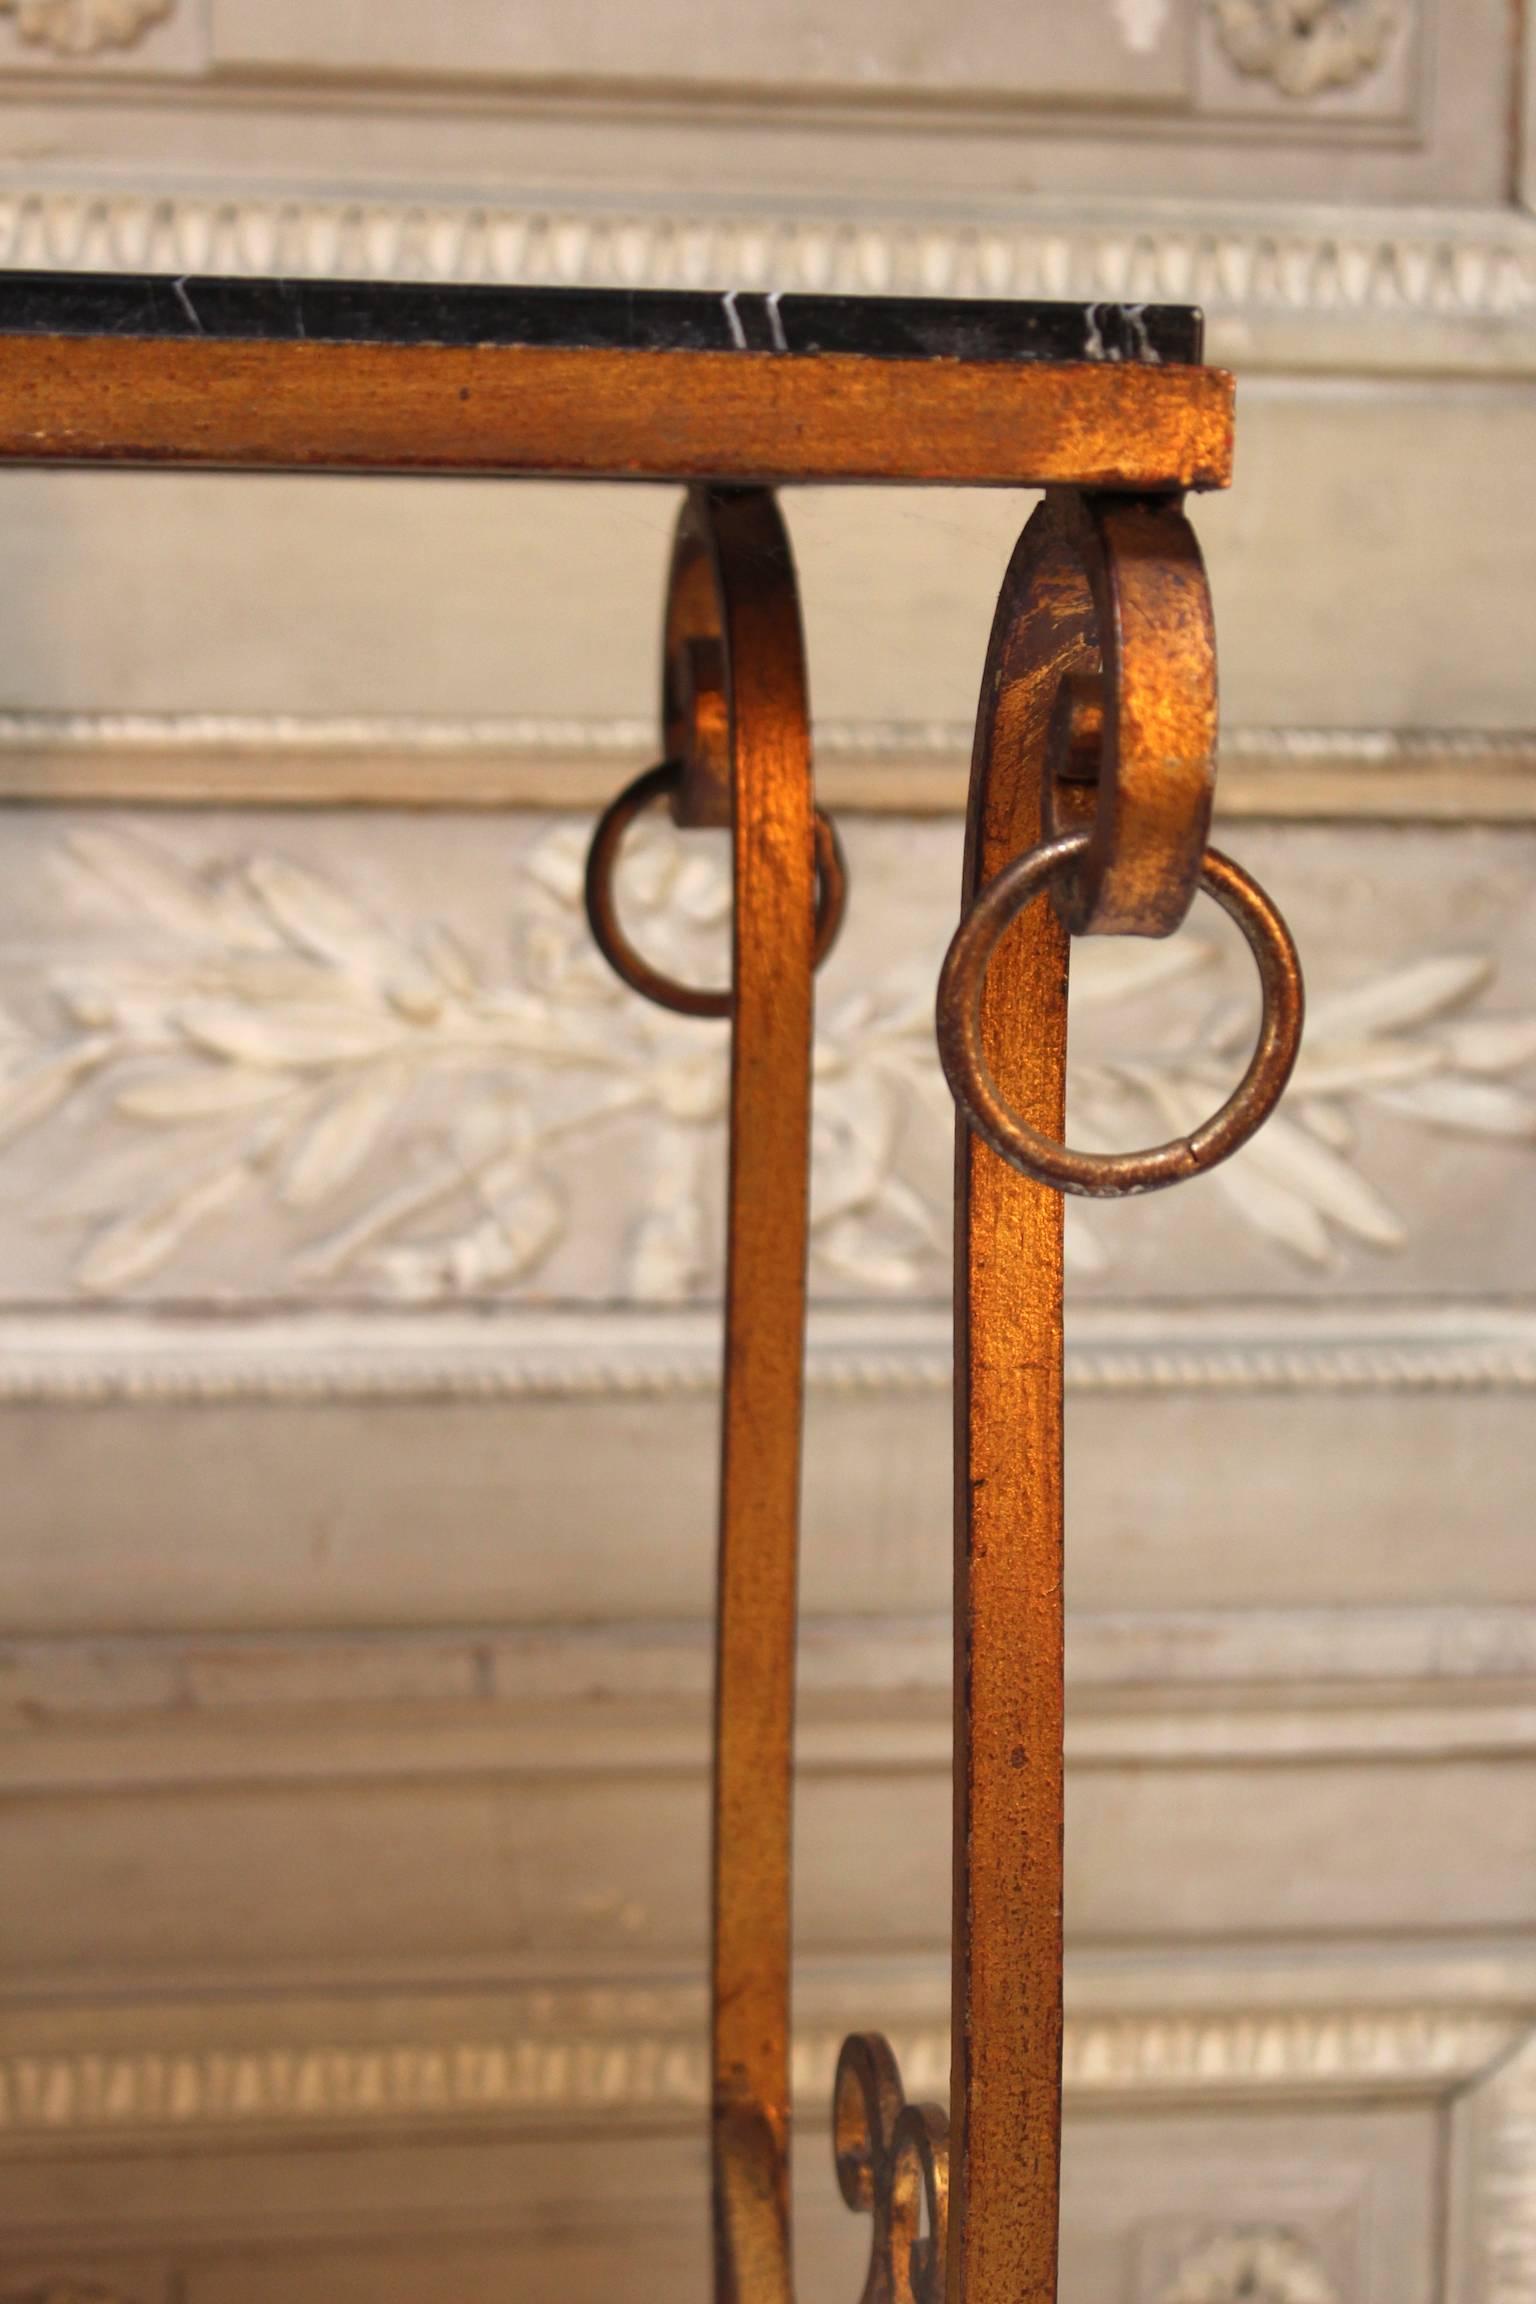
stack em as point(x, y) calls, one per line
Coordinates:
point(873, 47)
point(454, 1862)
point(134, 1519)
point(1413, 100)
point(157, 592)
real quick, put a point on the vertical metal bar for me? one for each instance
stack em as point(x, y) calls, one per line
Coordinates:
point(763, 1387)
point(737, 730)
point(1103, 631)
point(1005, 2086)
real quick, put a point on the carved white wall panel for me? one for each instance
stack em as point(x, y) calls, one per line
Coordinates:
point(1272, 2231)
point(1148, 96)
point(551, 2222)
point(245, 1058)
point(1349, 2185)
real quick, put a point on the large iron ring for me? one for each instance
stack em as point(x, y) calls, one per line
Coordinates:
point(602, 911)
point(1108, 1175)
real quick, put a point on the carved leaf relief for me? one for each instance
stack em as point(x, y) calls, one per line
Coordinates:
point(1306, 46)
point(246, 1048)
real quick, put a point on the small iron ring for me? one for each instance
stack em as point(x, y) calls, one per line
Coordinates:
point(1108, 1175)
point(602, 912)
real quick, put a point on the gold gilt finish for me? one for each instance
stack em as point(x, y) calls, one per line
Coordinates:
point(1097, 706)
point(892, 2166)
point(1098, 693)
point(733, 586)
point(1121, 585)
point(1109, 1175)
point(1005, 2055)
point(598, 414)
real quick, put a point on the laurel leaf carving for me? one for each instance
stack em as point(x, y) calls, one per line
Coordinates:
point(268, 1040)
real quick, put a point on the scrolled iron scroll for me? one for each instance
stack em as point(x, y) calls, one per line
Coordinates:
point(735, 718)
point(892, 2166)
point(1110, 641)
point(1119, 621)
point(1092, 773)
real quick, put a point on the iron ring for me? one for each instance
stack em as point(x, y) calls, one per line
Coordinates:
point(602, 912)
point(1108, 1175)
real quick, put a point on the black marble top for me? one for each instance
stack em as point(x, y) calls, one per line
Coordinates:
point(649, 320)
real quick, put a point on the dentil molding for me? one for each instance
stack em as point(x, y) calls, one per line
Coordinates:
point(640, 2056)
point(78, 2082)
point(1282, 284)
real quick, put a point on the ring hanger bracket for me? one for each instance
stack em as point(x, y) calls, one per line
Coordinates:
point(1112, 1175)
point(1131, 734)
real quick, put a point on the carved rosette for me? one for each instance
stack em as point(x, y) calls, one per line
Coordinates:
point(84, 27)
point(1307, 46)
point(892, 2166)
point(1249, 2266)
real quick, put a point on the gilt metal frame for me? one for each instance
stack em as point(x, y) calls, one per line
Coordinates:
point(1092, 771)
